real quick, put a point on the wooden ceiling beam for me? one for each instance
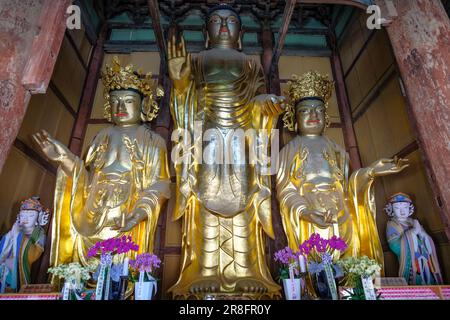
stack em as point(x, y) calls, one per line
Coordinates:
point(292, 30)
point(157, 28)
point(353, 3)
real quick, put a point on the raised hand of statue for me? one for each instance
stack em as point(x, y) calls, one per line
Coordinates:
point(55, 150)
point(270, 104)
point(384, 167)
point(133, 219)
point(179, 63)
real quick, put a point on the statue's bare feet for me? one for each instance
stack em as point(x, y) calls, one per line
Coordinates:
point(250, 286)
point(205, 286)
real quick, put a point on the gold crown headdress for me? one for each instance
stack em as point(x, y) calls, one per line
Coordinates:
point(310, 85)
point(117, 77)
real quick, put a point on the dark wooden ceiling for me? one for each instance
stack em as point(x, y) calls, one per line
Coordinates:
point(131, 29)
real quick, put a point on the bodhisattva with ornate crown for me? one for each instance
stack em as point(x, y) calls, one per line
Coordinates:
point(225, 208)
point(315, 190)
point(120, 187)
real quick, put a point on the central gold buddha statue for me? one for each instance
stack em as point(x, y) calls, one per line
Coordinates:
point(225, 207)
point(316, 191)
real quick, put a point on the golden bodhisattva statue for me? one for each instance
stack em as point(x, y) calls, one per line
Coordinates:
point(120, 187)
point(225, 207)
point(314, 188)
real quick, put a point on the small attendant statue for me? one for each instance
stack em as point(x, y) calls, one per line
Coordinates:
point(22, 245)
point(410, 242)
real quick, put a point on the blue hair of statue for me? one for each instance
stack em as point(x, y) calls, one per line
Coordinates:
point(223, 6)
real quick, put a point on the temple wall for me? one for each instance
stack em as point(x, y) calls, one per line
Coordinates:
point(383, 130)
point(26, 172)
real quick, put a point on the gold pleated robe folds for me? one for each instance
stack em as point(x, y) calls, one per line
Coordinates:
point(88, 201)
point(354, 196)
point(226, 208)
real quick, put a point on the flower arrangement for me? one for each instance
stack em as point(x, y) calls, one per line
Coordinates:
point(355, 270)
point(319, 251)
point(73, 272)
point(359, 267)
point(145, 283)
point(287, 259)
point(111, 268)
point(145, 262)
point(113, 246)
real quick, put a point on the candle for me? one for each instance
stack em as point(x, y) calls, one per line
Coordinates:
point(302, 262)
point(125, 267)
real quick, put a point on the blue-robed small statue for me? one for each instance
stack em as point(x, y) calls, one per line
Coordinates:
point(22, 245)
point(418, 262)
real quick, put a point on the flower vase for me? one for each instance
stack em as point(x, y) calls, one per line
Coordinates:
point(144, 289)
point(322, 286)
point(292, 289)
point(114, 291)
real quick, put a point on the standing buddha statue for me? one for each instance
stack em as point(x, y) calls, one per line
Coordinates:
point(120, 186)
point(225, 207)
point(315, 190)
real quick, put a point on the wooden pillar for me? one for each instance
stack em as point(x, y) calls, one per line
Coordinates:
point(163, 126)
point(345, 110)
point(164, 120)
point(31, 33)
point(88, 95)
point(420, 37)
point(287, 16)
point(273, 86)
point(267, 45)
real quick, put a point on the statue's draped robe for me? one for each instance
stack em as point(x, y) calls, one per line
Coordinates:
point(88, 201)
point(19, 252)
point(356, 219)
point(225, 208)
point(418, 262)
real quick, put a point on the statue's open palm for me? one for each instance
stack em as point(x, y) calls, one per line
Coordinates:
point(52, 148)
point(384, 167)
point(179, 61)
